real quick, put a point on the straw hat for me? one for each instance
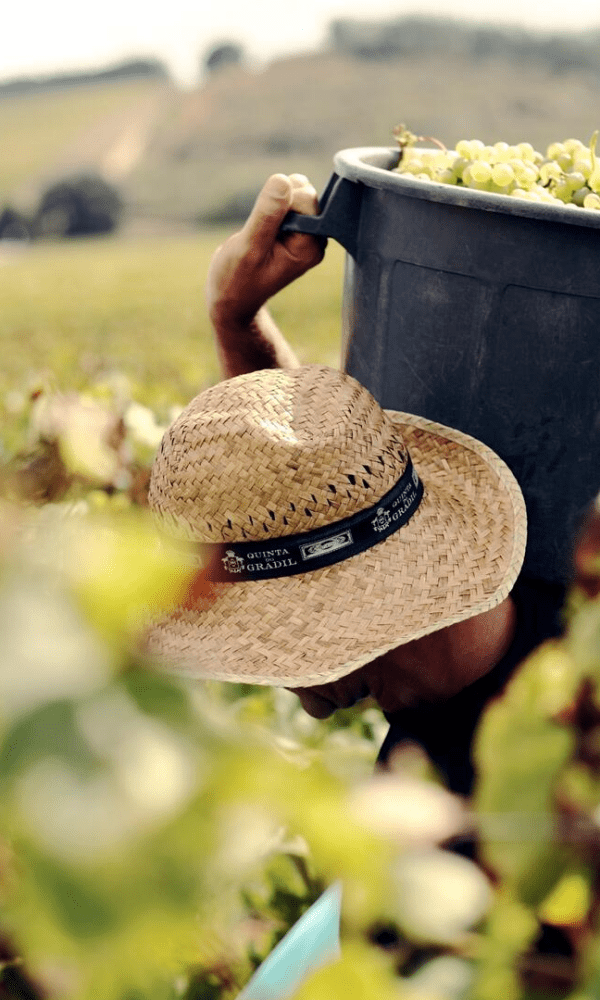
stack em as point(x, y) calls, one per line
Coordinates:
point(334, 530)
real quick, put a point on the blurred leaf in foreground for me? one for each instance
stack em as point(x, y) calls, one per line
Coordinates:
point(120, 574)
point(360, 972)
point(520, 749)
point(89, 435)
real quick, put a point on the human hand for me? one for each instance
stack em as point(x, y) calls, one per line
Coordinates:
point(256, 263)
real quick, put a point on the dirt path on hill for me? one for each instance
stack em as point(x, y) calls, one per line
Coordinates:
point(115, 144)
point(111, 146)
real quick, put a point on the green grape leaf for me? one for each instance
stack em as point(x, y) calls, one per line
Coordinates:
point(51, 731)
point(81, 909)
point(540, 876)
point(583, 640)
point(120, 576)
point(159, 696)
point(360, 972)
point(510, 927)
point(519, 752)
point(570, 899)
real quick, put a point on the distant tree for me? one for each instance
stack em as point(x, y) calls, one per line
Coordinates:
point(223, 55)
point(14, 225)
point(414, 35)
point(79, 206)
point(363, 39)
point(396, 37)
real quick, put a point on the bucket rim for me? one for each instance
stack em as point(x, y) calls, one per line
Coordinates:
point(374, 167)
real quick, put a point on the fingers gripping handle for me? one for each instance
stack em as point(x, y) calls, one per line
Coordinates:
point(339, 214)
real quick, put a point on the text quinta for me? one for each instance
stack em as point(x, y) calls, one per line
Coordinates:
point(271, 554)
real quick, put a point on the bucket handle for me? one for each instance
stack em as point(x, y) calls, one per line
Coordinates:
point(338, 217)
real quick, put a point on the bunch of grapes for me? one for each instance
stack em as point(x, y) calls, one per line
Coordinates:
point(568, 173)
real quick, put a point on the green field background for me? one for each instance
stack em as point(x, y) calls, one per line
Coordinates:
point(72, 313)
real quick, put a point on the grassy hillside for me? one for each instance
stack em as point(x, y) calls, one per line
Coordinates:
point(185, 153)
point(297, 113)
point(44, 133)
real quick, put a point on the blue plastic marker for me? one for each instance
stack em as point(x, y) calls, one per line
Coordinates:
point(313, 941)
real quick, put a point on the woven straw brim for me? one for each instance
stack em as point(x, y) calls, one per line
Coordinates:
point(457, 557)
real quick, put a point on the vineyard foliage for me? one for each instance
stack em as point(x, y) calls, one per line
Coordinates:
point(159, 837)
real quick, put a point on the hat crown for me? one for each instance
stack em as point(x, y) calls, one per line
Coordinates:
point(274, 453)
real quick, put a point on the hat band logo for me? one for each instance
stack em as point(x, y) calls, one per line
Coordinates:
point(289, 555)
point(382, 521)
point(315, 549)
point(233, 564)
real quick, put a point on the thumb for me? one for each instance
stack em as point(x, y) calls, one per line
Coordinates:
point(270, 209)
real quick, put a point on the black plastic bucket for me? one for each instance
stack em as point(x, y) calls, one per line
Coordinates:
point(482, 312)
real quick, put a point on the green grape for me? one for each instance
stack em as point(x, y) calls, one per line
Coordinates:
point(565, 161)
point(429, 165)
point(578, 197)
point(410, 160)
point(573, 146)
point(459, 165)
point(569, 173)
point(562, 190)
point(525, 173)
point(502, 174)
point(463, 148)
point(575, 180)
point(550, 172)
point(429, 158)
point(583, 165)
point(448, 161)
point(517, 164)
point(481, 171)
point(526, 151)
point(527, 177)
point(446, 176)
point(467, 177)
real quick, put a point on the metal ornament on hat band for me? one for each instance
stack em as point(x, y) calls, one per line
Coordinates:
point(289, 555)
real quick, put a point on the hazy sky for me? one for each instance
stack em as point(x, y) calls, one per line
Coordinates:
point(39, 36)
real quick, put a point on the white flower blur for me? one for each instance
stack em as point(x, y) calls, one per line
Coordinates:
point(440, 895)
point(407, 809)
